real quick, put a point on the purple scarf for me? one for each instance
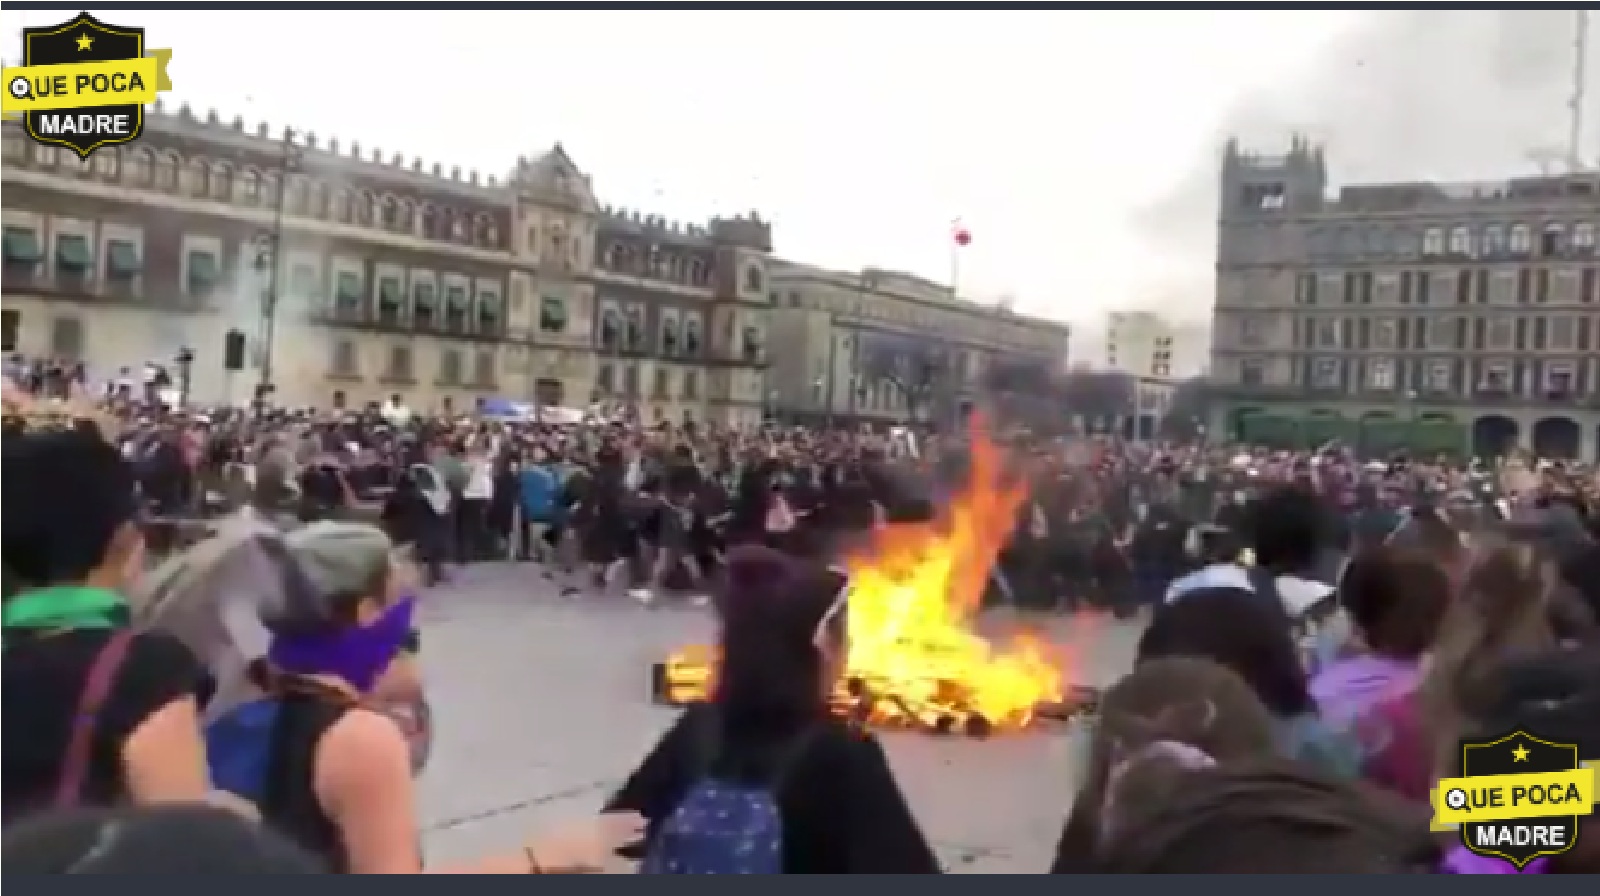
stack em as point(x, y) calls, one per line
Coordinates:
point(358, 655)
point(1348, 688)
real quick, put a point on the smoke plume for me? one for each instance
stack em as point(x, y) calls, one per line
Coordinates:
point(1408, 96)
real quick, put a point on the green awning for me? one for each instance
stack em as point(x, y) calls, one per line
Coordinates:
point(455, 298)
point(552, 314)
point(122, 258)
point(72, 253)
point(390, 293)
point(22, 246)
point(349, 288)
point(202, 267)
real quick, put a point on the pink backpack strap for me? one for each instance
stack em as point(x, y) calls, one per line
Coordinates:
point(96, 689)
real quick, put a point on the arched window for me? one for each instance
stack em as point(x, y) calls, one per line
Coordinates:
point(430, 223)
point(341, 206)
point(196, 176)
point(221, 183)
point(249, 187)
point(140, 167)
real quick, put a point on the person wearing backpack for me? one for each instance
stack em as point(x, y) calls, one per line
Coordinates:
point(764, 778)
point(320, 762)
point(94, 714)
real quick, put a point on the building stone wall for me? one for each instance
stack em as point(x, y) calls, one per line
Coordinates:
point(1471, 304)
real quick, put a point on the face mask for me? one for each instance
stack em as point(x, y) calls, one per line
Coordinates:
point(359, 654)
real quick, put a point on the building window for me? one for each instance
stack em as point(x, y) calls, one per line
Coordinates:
point(1380, 375)
point(347, 293)
point(1252, 372)
point(1460, 241)
point(1559, 381)
point(1552, 240)
point(400, 363)
point(106, 163)
point(691, 385)
point(424, 306)
point(691, 336)
point(1496, 377)
point(122, 260)
point(1433, 241)
point(1521, 239)
point(22, 251)
point(753, 345)
point(635, 328)
point(250, 188)
point(605, 379)
point(490, 313)
point(10, 328)
point(1583, 235)
point(669, 335)
point(1494, 239)
point(344, 358)
point(66, 338)
point(457, 304)
point(610, 329)
point(450, 367)
point(73, 255)
point(1325, 373)
point(1305, 289)
point(200, 281)
point(483, 369)
point(552, 315)
point(166, 172)
point(663, 384)
point(1439, 376)
point(391, 301)
point(221, 183)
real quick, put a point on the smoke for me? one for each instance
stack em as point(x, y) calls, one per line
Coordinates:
point(1407, 96)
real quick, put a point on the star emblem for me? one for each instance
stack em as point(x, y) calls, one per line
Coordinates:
point(1519, 753)
point(85, 42)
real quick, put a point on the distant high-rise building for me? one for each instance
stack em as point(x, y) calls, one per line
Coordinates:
point(1435, 317)
point(1149, 346)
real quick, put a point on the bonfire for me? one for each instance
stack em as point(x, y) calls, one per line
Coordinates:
point(915, 659)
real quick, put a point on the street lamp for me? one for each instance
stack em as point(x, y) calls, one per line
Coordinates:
point(185, 364)
point(268, 258)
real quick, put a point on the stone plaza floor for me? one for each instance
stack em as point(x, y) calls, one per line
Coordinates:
point(542, 707)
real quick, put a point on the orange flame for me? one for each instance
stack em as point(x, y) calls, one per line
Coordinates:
point(914, 658)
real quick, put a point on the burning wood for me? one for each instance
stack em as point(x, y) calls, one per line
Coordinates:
point(915, 659)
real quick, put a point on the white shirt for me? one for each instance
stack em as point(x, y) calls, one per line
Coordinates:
point(480, 481)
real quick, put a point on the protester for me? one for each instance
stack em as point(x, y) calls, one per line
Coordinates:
point(768, 733)
point(95, 714)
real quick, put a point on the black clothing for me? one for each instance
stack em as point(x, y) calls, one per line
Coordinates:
point(43, 679)
point(289, 804)
point(843, 812)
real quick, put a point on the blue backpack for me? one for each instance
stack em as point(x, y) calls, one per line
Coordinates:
point(239, 748)
point(724, 826)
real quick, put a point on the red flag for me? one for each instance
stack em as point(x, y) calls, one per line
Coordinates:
point(959, 233)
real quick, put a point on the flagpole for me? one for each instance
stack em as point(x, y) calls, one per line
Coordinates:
point(955, 269)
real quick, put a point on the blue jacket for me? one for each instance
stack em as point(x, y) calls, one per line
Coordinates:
point(538, 493)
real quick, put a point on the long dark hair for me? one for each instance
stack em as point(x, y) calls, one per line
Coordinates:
point(771, 608)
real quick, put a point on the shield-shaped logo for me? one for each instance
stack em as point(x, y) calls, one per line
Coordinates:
point(84, 39)
point(1519, 840)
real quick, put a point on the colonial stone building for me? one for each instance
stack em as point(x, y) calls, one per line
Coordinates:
point(368, 275)
point(888, 346)
point(1461, 317)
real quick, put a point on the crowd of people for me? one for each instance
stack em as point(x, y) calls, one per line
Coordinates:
point(1321, 633)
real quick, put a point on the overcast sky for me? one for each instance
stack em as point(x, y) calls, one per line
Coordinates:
point(1078, 148)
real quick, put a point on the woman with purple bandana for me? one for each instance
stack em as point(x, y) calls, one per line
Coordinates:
point(321, 764)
